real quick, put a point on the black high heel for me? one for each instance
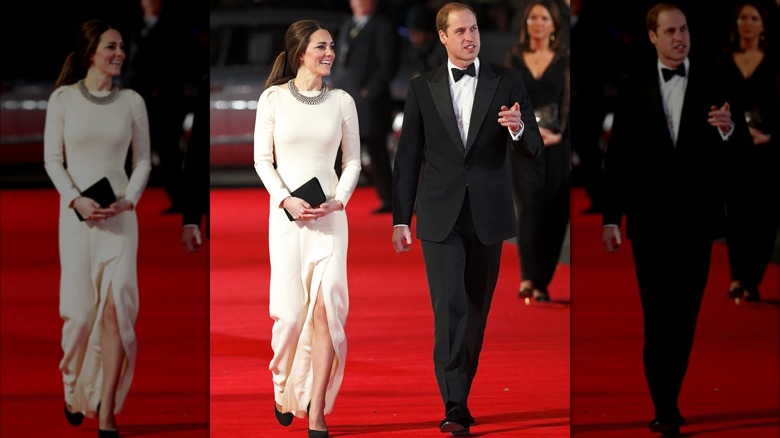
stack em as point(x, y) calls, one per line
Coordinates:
point(74, 418)
point(525, 294)
point(105, 433)
point(283, 419)
point(737, 294)
point(315, 433)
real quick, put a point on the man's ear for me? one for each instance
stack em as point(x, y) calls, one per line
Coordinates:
point(653, 36)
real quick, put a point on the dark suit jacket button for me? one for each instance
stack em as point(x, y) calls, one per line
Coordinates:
point(468, 167)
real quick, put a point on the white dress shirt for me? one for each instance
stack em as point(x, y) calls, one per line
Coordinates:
point(673, 94)
point(462, 93)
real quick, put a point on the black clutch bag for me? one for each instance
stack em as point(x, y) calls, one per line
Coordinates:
point(547, 116)
point(311, 192)
point(101, 192)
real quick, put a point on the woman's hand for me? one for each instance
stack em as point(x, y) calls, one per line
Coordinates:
point(327, 208)
point(549, 137)
point(300, 209)
point(88, 208)
point(758, 136)
point(113, 209)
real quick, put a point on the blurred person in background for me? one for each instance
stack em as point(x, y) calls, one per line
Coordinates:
point(426, 52)
point(157, 38)
point(751, 65)
point(541, 185)
point(195, 187)
point(367, 48)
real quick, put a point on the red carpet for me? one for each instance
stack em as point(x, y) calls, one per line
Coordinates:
point(521, 390)
point(731, 389)
point(169, 395)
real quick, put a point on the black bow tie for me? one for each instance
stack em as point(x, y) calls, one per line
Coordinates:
point(669, 73)
point(458, 73)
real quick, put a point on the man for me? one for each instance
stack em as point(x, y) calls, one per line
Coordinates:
point(195, 174)
point(161, 81)
point(672, 132)
point(457, 122)
point(367, 49)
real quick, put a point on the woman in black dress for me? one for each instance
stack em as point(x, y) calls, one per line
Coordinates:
point(542, 185)
point(754, 186)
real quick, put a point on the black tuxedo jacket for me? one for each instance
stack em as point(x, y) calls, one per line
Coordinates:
point(660, 186)
point(430, 138)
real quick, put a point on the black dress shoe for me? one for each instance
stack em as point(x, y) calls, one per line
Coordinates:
point(541, 296)
point(318, 433)
point(665, 428)
point(752, 296)
point(448, 425)
point(283, 419)
point(472, 421)
point(74, 418)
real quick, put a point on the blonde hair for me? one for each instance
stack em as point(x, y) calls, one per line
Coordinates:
point(444, 14)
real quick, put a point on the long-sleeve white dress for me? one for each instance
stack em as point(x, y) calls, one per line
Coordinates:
point(294, 142)
point(83, 142)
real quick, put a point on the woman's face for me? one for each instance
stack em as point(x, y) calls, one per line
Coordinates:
point(110, 54)
point(319, 54)
point(749, 23)
point(539, 23)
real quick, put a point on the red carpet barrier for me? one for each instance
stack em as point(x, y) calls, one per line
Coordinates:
point(389, 389)
point(169, 395)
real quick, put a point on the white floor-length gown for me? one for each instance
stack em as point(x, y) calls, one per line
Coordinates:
point(83, 142)
point(293, 143)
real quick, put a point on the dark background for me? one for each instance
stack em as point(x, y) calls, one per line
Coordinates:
point(37, 36)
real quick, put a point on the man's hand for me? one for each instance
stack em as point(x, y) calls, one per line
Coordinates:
point(402, 239)
point(191, 239)
point(611, 238)
point(510, 117)
point(720, 117)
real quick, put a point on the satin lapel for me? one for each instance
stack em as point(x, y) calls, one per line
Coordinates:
point(655, 106)
point(486, 89)
point(440, 92)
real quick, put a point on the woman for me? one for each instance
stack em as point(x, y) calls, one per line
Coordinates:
point(542, 185)
point(299, 127)
point(753, 216)
point(90, 124)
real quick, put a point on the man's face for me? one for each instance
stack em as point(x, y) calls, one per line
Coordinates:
point(362, 8)
point(671, 38)
point(461, 38)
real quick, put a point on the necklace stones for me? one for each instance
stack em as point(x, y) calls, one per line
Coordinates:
point(100, 100)
point(306, 99)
